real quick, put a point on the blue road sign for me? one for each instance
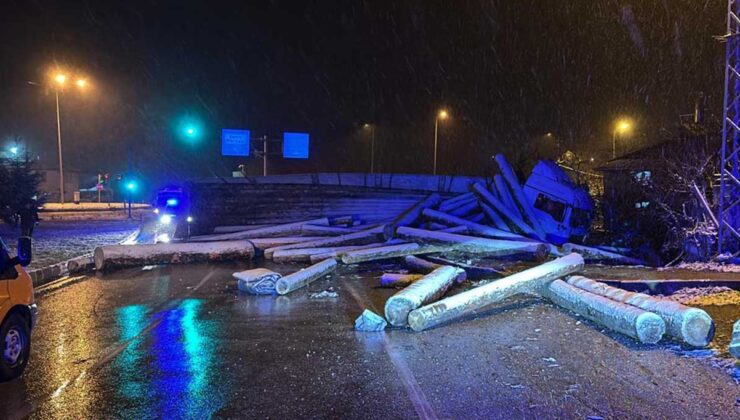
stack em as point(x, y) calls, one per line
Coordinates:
point(295, 145)
point(234, 142)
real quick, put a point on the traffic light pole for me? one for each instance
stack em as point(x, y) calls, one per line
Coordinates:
point(263, 154)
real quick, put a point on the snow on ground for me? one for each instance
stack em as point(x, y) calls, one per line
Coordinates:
point(56, 241)
point(705, 266)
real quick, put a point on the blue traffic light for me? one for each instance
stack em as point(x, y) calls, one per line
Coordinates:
point(131, 185)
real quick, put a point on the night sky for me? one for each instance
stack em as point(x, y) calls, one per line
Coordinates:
point(508, 71)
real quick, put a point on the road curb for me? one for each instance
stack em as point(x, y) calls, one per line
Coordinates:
point(76, 265)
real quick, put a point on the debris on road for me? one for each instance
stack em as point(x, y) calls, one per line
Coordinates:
point(305, 276)
point(734, 348)
point(325, 294)
point(259, 281)
point(369, 321)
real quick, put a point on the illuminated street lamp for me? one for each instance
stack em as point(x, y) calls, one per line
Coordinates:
point(621, 127)
point(371, 128)
point(441, 115)
point(59, 80)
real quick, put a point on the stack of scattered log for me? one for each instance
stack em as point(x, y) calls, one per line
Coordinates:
point(431, 238)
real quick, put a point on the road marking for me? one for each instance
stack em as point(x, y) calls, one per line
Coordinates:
point(413, 390)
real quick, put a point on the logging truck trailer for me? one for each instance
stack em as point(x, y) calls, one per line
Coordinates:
point(564, 209)
point(17, 310)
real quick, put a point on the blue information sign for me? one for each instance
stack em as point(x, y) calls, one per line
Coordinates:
point(234, 142)
point(295, 145)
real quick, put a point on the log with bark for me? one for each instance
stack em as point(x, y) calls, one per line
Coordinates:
point(391, 251)
point(518, 195)
point(398, 280)
point(464, 210)
point(513, 218)
point(305, 276)
point(475, 245)
point(468, 302)
point(599, 255)
point(411, 215)
point(689, 325)
point(318, 230)
point(428, 289)
point(629, 320)
point(339, 251)
point(368, 236)
point(504, 194)
point(454, 201)
point(117, 256)
point(305, 254)
point(474, 228)
point(262, 244)
point(734, 347)
point(472, 272)
point(420, 265)
point(287, 229)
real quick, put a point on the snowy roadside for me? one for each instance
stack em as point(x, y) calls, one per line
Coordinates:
point(57, 241)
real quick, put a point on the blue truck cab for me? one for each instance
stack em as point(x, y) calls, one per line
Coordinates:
point(564, 209)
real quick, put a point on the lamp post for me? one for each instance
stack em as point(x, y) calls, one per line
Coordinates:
point(621, 127)
point(60, 79)
point(441, 115)
point(371, 127)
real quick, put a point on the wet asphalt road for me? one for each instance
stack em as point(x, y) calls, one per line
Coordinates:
point(182, 342)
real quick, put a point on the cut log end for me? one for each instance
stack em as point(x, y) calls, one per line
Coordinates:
point(650, 328)
point(697, 328)
point(282, 287)
point(397, 309)
point(99, 258)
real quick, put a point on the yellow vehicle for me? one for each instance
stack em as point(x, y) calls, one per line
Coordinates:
point(17, 310)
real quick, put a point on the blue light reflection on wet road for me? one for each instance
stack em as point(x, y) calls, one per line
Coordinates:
point(172, 368)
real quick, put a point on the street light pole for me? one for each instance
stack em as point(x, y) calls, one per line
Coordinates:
point(59, 141)
point(436, 129)
point(614, 144)
point(372, 149)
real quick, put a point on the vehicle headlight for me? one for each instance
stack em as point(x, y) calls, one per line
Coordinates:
point(166, 219)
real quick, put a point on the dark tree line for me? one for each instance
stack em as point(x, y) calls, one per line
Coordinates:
point(19, 187)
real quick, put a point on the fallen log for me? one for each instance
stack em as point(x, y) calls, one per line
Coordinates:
point(518, 195)
point(454, 201)
point(599, 255)
point(734, 347)
point(428, 289)
point(262, 244)
point(505, 195)
point(514, 218)
point(689, 325)
point(391, 251)
point(286, 229)
point(337, 253)
point(236, 228)
point(493, 216)
point(305, 254)
point(472, 272)
point(475, 228)
point(117, 256)
point(466, 303)
point(475, 245)
point(374, 234)
point(423, 266)
point(629, 320)
point(467, 207)
point(411, 215)
point(398, 280)
point(317, 230)
point(304, 277)
point(478, 218)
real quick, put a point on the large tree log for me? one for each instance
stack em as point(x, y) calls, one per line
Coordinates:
point(317, 230)
point(466, 303)
point(453, 202)
point(362, 237)
point(518, 195)
point(304, 277)
point(505, 195)
point(474, 228)
point(629, 320)
point(692, 326)
point(117, 256)
point(494, 217)
point(430, 288)
point(475, 245)
point(391, 251)
point(398, 280)
point(599, 255)
point(305, 254)
point(262, 244)
point(339, 251)
point(411, 215)
point(423, 266)
point(472, 272)
point(236, 228)
point(514, 218)
point(465, 208)
point(287, 229)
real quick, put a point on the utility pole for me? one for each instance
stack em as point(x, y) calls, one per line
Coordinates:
point(59, 141)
